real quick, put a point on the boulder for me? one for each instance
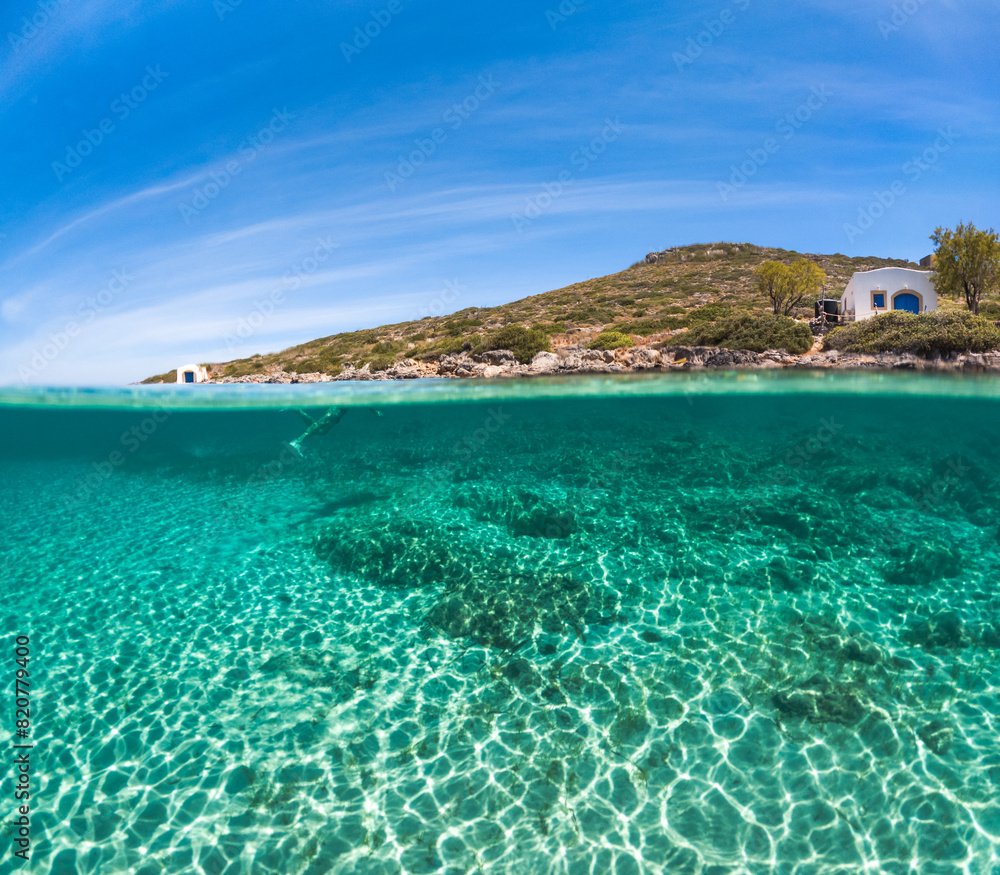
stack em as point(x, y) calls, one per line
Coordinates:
point(545, 363)
point(643, 358)
point(352, 373)
point(731, 358)
point(495, 357)
point(404, 370)
point(451, 363)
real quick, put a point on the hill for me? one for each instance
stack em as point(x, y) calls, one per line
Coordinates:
point(669, 292)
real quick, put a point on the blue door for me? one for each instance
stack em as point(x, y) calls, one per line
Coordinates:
point(189, 376)
point(906, 301)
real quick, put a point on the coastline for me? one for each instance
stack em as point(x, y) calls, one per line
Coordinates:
point(501, 364)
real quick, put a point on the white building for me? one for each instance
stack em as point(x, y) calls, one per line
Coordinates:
point(889, 288)
point(192, 374)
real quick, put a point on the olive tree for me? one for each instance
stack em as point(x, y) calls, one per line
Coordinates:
point(967, 262)
point(787, 285)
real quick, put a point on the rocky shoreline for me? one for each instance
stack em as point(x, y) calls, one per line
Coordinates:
point(501, 364)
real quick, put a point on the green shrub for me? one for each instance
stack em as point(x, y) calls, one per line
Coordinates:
point(755, 332)
point(525, 343)
point(458, 327)
point(367, 335)
point(990, 310)
point(329, 361)
point(611, 340)
point(590, 315)
point(550, 328)
point(709, 313)
point(434, 351)
point(314, 366)
point(929, 334)
point(645, 327)
point(168, 377)
point(244, 368)
point(378, 362)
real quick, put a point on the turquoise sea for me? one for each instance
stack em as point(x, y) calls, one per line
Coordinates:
point(680, 624)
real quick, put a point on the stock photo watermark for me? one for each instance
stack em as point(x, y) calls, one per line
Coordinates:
point(122, 107)
point(913, 170)
point(480, 437)
point(901, 15)
point(562, 13)
point(86, 313)
point(794, 460)
point(933, 496)
point(581, 160)
point(787, 126)
point(454, 117)
point(262, 310)
point(221, 178)
point(379, 20)
point(31, 27)
point(936, 492)
point(713, 29)
point(233, 511)
point(226, 7)
point(130, 441)
point(452, 291)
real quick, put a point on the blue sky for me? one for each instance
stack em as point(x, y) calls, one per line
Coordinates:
point(190, 181)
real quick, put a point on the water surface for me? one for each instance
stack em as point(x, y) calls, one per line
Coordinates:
point(682, 625)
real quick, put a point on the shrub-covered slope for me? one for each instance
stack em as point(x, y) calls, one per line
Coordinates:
point(937, 333)
point(686, 288)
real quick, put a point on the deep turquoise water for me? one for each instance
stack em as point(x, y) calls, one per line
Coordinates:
point(677, 625)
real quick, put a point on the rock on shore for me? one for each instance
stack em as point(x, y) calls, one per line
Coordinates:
point(578, 360)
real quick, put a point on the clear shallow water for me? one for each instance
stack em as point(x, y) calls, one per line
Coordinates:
point(708, 625)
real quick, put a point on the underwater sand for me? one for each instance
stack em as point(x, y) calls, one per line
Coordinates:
point(668, 625)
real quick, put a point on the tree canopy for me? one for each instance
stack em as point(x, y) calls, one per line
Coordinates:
point(787, 285)
point(967, 262)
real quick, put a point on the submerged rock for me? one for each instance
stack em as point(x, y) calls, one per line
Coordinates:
point(945, 629)
point(395, 553)
point(820, 700)
point(315, 668)
point(507, 611)
point(938, 736)
point(630, 728)
point(523, 512)
point(921, 564)
point(790, 575)
point(452, 616)
point(521, 674)
point(990, 636)
point(859, 650)
point(795, 524)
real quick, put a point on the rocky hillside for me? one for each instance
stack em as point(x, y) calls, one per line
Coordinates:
point(654, 300)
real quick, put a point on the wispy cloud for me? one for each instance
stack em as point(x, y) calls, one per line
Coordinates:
point(324, 177)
